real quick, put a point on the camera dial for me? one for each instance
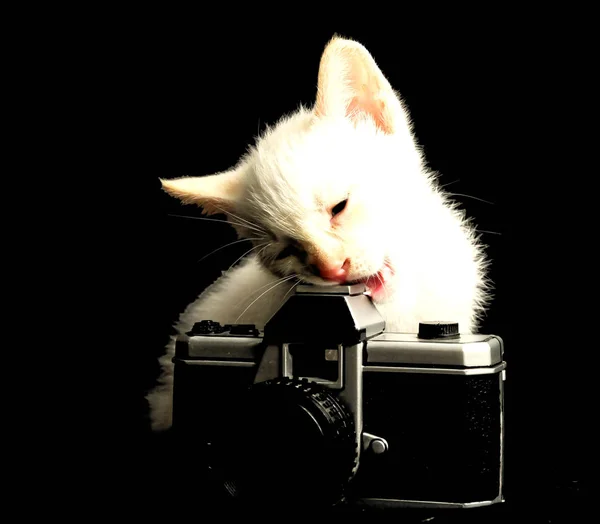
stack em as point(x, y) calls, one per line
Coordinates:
point(288, 442)
point(438, 329)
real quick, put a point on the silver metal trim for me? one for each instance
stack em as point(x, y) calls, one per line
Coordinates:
point(231, 363)
point(376, 444)
point(218, 346)
point(397, 503)
point(287, 368)
point(270, 365)
point(408, 348)
point(349, 383)
point(309, 289)
point(352, 394)
point(501, 377)
point(365, 316)
point(436, 371)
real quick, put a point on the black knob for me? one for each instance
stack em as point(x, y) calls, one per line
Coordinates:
point(288, 441)
point(438, 329)
point(205, 327)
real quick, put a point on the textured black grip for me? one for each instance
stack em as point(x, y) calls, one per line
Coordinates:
point(444, 436)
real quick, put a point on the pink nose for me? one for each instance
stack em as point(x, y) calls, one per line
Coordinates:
point(338, 272)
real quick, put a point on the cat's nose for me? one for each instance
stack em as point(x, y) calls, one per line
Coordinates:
point(336, 271)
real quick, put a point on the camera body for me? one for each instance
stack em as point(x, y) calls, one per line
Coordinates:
point(326, 405)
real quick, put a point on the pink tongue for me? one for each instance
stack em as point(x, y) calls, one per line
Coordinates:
point(373, 282)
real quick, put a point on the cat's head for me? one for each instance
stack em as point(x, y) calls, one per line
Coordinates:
point(323, 193)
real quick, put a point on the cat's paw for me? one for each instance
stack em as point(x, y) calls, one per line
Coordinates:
point(160, 401)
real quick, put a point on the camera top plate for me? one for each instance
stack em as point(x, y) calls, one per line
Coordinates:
point(348, 289)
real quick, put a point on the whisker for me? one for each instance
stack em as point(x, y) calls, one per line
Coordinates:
point(251, 249)
point(265, 247)
point(255, 230)
point(449, 183)
point(228, 222)
point(256, 291)
point(384, 286)
point(282, 220)
point(264, 293)
point(230, 244)
point(290, 290)
point(250, 224)
point(489, 232)
point(198, 218)
point(473, 197)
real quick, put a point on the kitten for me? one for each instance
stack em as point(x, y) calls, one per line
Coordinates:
point(337, 193)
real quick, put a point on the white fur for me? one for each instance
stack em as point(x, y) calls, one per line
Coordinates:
point(287, 184)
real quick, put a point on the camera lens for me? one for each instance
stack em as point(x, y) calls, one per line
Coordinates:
point(288, 442)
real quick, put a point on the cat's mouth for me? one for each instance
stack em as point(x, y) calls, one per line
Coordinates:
point(376, 284)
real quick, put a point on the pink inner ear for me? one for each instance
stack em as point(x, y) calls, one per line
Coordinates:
point(373, 107)
point(368, 94)
point(350, 83)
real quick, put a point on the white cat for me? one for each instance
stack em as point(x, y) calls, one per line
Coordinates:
point(337, 193)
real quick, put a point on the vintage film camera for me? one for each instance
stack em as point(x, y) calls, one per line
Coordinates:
point(325, 408)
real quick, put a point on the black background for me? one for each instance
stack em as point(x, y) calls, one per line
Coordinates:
point(190, 98)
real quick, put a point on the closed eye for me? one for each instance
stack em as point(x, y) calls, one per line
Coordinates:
point(338, 208)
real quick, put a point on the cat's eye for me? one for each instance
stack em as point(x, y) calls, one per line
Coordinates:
point(338, 208)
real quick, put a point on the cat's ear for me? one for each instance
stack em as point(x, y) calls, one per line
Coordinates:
point(215, 193)
point(351, 85)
